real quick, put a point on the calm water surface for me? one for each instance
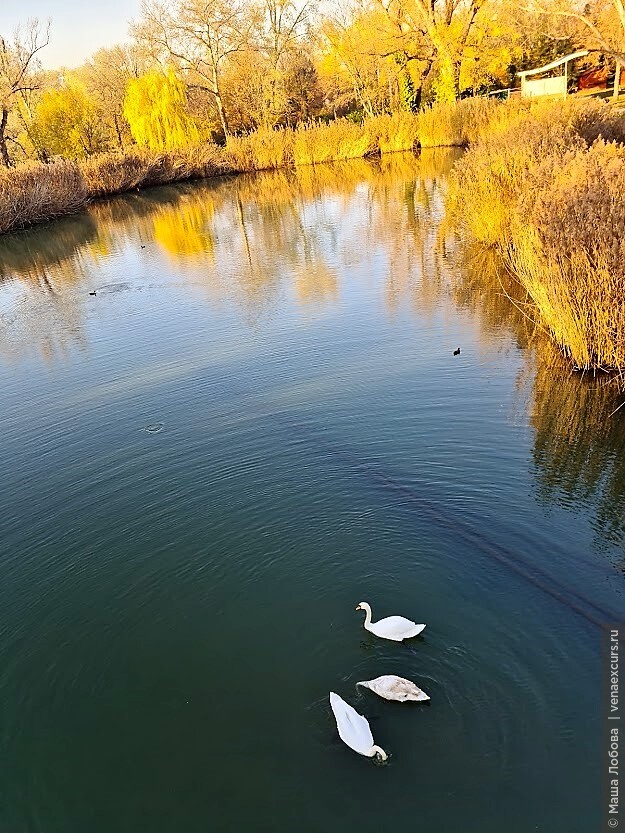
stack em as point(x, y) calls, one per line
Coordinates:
point(176, 604)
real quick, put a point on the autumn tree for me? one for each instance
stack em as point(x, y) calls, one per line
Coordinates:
point(357, 63)
point(247, 94)
point(67, 123)
point(400, 54)
point(304, 96)
point(198, 36)
point(599, 25)
point(497, 47)
point(156, 110)
point(442, 28)
point(283, 27)
point(18, 73)
point(106, 76)
point(259, 81)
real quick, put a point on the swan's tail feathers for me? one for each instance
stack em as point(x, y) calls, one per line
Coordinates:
point(417, 630)
point(377, 750)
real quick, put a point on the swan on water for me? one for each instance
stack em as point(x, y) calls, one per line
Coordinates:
point(354, 728)
point(396, 628)
point(392, 687)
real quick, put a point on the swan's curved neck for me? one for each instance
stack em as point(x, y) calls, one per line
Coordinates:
point(367, 610)
point(377, 750)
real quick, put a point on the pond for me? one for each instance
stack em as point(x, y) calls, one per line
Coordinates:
point(231, 411)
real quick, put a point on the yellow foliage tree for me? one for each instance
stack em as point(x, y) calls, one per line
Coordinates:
point(361, 60)
point(155, 107)
point(443, 28)
point(496, 45)
point(67, 123)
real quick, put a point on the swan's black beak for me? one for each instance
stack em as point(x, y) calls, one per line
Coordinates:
point(357, 607)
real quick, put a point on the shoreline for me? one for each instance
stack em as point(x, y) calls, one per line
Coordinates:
point(37, 192)
point(539, 185)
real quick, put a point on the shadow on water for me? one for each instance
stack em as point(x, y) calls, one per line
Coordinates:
point(239, 229)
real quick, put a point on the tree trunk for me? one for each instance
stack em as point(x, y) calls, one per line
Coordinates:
point(4, 152)
point(617, 80)
point(220, 104)
point(120, 141)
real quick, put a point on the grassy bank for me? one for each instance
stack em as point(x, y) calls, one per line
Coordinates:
point(36, 192)
point(545, 188)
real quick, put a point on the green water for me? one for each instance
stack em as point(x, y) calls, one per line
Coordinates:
point(176, 606)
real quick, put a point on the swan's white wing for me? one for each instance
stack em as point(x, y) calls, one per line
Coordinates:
point(396, 628)
point(353, 727)
point(392, 687)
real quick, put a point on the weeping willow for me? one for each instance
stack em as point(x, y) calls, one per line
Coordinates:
point(155, 108)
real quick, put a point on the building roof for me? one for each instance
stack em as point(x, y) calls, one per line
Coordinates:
point(581, 54)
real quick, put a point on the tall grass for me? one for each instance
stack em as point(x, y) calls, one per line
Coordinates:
point(265, 149)
point(332, 142)
point(305, 145)
point(395, 132)
point(545, 189)
point(34, 193)
point(113, 173)
point(449, 125)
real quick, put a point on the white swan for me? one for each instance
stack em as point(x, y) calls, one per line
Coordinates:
point(393, 627)
point(354, 728)
point(392, 687)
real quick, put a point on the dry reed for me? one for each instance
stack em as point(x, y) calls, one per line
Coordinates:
point(114, 173)
point(332, 142)
point(35, 193)
point(546, 189)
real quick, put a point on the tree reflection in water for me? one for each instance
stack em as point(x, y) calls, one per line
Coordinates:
point(300, 232)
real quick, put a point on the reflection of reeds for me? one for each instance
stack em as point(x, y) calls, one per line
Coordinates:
point(316, 282)
point(495, 297)
point(579, 443)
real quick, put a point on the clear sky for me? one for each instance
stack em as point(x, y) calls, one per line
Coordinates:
point(79, 27)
